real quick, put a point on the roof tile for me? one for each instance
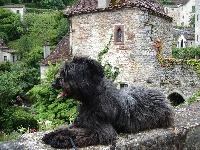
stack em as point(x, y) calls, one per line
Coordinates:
point(85, 6)
point(60, 53)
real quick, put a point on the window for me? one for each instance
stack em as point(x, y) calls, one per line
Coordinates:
point(5, 58)
point(13, 58)
point(119, 34)
point(197, 17)
point(197, 38)
point(181, 43)
point(18, 11)
point(123, 85)
point(193, 9)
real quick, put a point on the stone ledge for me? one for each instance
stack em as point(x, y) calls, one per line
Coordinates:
point(185, 135)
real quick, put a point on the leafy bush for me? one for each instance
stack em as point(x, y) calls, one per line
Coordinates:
point(185, 53)
point(10, 136)
point(47, 106)
point(13, 118)
point(110, 72)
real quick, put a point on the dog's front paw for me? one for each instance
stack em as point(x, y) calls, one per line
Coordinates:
point(57, 139)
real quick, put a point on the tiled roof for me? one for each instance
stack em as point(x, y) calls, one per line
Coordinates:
point(60, 53)
point(86, 6)
point(178, 2)
point(13, 6)
point(188, 33)
point(10, 51)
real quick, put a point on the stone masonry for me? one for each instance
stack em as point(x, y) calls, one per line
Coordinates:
point(185, 135)
point(136, 58)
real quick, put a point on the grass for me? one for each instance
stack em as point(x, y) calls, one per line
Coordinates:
point(6, 137)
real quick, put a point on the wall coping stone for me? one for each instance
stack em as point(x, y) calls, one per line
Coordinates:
point(185, 135)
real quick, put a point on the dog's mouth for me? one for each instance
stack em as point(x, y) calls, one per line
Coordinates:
point(62, 94)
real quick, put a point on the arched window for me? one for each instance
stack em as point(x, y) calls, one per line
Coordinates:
point(119, 34)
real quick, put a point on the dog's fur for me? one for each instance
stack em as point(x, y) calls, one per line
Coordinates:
point(105, 110)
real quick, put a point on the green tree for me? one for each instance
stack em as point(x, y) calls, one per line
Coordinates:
point(192, 21)
point(42, 27)
point(18, 80)
point(52, 4)
point(48, 107)
point(10, 24)
point(3, 2)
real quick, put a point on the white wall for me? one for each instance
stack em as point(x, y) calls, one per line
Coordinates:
point(197, 23)
point(18, 10)
point(181, 14)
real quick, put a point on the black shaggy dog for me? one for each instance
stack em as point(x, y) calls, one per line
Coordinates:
point(105, 110)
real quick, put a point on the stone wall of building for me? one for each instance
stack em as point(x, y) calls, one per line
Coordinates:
point(136, 57)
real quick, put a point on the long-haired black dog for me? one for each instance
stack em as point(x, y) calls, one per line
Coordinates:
point(105, 110)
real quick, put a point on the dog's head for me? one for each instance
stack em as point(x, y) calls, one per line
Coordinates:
point(76, 76)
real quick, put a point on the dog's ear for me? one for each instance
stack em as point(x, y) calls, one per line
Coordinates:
point(95, 68)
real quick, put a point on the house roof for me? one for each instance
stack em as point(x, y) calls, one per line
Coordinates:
point(178, 2)
point(60, 53)
point(13, 6)
point(85, 6)
point(188, 33)
point(10, 51)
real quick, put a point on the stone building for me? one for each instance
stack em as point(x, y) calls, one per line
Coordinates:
point(18, 9)
point(134, 25)
point(184, 38)
point(7, 54)
point(139, 30)
point(59, 54)
point(181, 11)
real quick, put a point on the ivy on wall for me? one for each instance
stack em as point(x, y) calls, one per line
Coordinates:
point(110, 72)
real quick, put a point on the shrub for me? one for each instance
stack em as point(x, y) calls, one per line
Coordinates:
point(47, 106)
point(13, 118)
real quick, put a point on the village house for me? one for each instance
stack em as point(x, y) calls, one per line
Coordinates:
point(140, 37)
point(18, 9)
point(7, 54)
point(134, 26)
point(184, 38)
point(181, 11)
point(59, 54)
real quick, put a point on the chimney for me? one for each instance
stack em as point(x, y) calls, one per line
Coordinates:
point(103, 3)
point(46, 49)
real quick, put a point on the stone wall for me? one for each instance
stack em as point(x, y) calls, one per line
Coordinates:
point(136, 58)
point(91, 32)
point(185, 135)
point(177, 77)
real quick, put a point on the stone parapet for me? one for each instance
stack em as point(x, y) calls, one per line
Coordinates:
point(185, 135)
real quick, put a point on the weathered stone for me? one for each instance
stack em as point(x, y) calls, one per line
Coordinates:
point(185, 135)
